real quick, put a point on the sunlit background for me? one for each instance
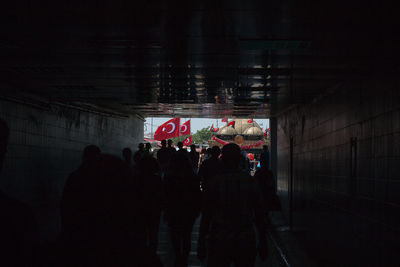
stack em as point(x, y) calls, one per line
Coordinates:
point(197, 124)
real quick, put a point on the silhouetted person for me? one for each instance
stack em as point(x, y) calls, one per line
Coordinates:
point(139, 153)
point(151, 198)
point(244, 162)
point(76, 203)
point(147, 149)
point(170, 147)
point(208, 153)
point(182, 205)
point(18, 233)
point(265, 182)
point(194, 158)
point(265, 156)
point(127, 155)
point(100, 217)
point(209, 168)
point(232, 204)
point(163, 156)
point(182, 150)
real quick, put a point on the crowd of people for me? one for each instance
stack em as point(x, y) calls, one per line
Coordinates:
point(111, 208)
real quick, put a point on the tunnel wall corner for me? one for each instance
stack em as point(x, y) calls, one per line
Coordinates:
point(45, 146)
point(338, 175)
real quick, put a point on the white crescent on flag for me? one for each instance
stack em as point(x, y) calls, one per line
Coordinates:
point(183, 128)
point(173, 127)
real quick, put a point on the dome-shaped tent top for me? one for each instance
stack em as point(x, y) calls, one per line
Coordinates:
point(227, 130)
point(253, 131)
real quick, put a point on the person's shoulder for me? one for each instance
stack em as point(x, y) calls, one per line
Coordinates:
point(74, 176)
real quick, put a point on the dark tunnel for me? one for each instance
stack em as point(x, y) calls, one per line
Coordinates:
point(80, 73)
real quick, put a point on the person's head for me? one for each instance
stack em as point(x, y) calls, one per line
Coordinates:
point(203, 151)
point(170, 142)
point(215, 151)
point(127, 154)
point(231, 154)
point(192, 148)
point(90, 153)
point(4, 133)
point(265, 147)
point(163, 143)
point(148, 146)
point(208, 151)
point(180, 145)
point(141, 146)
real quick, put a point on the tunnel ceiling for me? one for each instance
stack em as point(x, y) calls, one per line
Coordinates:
point(200, 59)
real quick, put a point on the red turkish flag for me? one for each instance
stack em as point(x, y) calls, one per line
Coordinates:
point(250, 121)
point(187, 141)
point(232, 123)
point(185, 128)
point(224, 120)
point(167, 130)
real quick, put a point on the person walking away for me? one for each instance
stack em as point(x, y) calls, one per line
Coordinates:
point(194, 158)
point(182, 191)
point(265, 156)
point(170, 147)
point(232, 207)
point(147, 149)
point(209, 168)
point(265, 182)
point(182, 150)
point(101, 217)
point(208, 153)
point(151, 199)
point(139, 153)
point(163, 156)
point(202, 155)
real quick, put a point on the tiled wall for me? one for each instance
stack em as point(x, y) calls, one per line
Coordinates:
point(46, 145)
point(346, 195)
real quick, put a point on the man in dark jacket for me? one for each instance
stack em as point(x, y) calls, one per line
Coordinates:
point(232, 204)
point(210, 167)
point(163, 156)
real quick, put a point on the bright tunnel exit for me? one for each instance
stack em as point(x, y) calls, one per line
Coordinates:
point(252, 135)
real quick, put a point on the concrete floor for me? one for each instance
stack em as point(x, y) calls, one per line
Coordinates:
point(165, 251)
